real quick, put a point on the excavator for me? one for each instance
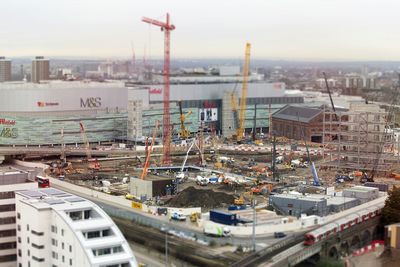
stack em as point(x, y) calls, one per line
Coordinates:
point(184, 133)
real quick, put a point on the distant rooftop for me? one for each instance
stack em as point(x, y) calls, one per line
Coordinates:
point(297, 113)
point(57, 84)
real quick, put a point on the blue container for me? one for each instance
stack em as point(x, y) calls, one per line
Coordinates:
point(223, 217)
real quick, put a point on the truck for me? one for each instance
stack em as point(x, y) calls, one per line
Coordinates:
point(216, 230)
point(223, 217)
point(178, 216)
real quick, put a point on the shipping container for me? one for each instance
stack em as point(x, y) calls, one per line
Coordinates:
point(223, 217)
point(380, 186)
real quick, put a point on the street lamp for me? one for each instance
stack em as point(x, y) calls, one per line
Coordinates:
point(254, 202)
point(166, 244)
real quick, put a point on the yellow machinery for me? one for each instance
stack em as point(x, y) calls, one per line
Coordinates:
point(239, 201)
point(242, 111)
point(184, 133)
point(195, 216)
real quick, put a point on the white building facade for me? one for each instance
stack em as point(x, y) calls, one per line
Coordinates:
point(55, 228)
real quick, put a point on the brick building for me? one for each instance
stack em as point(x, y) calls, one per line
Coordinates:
point(295, 122)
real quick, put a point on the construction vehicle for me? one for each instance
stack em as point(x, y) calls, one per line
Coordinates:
point(184, 133)
point(92, 164)
point(148, 154)
point(195, 216)
point(181, 175)
point(239, 201)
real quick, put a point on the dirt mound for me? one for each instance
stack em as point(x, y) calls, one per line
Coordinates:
point(205, 198)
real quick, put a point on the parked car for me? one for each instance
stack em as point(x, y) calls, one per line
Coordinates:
point(279, 234)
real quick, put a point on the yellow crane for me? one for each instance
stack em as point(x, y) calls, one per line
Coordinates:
point(184, 133)
point(242, 111)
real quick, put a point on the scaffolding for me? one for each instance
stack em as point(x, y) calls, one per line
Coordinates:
point(360, 139)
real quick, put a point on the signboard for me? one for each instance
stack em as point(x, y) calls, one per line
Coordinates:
point(136, 205)
point(7, 122)
point(91, 102)
point(46, 104)
point(330, 191)
point(155, 91)
point(7, 132)
point(208, 114)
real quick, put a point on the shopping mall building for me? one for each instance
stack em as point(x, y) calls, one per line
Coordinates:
point(51, 113)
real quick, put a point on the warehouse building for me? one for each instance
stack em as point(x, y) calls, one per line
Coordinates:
point(50, 113)
point(299, 123)
point(311, 204)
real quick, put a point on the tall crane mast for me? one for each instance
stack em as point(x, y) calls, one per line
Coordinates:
point(149, 150)
point(167, 27)
point(85, 141)
point(184, 133)
point(242, 113)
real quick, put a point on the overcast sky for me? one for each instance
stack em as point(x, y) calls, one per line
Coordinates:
point(277, 29)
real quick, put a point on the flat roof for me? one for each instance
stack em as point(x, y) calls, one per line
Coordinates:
point(360, 188)
point(49, 197)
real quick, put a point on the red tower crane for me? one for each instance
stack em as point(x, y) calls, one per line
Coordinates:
point(167, 27)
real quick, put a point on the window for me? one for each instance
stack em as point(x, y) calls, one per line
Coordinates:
point(62, 245)
point(27, 240)
point(62, 232)
point(6, 195)
point(37, 246)
point(117, 249)
point(75, 215)
point(70, 262)
point(27, 227)
point(107, 232)
point(54, 255)
point(19, 239)
point(19, 215)
point(7, 258)
point(54, 242)
point(29, 252)
point(8, 245)
point(93, 234)
point(86, 214)
point(8, 233)
point(8, 207)
point(19, 227)
point(7, 220)
point(63, 258)
point(70, 248)
point(54, 229)
point(19, 253)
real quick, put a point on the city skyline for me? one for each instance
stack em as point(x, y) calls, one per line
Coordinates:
point(286, 30)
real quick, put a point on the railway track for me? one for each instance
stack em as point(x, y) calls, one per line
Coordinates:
point(180, 248)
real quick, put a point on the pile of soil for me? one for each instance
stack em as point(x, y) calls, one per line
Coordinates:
point(205, 198)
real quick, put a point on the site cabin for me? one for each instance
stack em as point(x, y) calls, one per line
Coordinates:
point(42, 181)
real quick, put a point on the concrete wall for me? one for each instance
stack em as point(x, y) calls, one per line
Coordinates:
point(141, 188)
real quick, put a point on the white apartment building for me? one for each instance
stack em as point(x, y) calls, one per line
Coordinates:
point(55, 228)
point(11, 180)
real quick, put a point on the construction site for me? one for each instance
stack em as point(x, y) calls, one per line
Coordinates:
point(239, 168)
